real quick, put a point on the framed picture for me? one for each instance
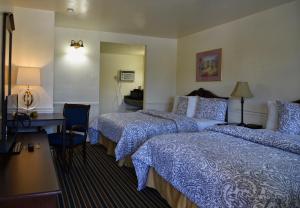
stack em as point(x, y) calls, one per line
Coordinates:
point(208, 65)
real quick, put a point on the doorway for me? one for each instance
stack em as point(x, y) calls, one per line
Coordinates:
point(122, 69)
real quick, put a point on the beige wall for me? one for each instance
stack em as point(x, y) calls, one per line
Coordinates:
point(76, 78)
point(33, 46)
point(111, 91)
point(7, 7)
point(263, 49)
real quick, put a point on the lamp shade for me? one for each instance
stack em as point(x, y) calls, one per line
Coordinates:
point(242, 90)
point(29, 76)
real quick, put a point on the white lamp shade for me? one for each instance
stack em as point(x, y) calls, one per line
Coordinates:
point(29, 76)
point(242, 89)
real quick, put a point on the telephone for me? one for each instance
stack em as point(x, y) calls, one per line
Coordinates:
point(23, 119)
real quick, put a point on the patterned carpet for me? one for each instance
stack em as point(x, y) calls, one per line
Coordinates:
point(101, 183)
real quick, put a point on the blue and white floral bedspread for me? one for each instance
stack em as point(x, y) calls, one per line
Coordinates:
point(131, 130)
point(226, 166)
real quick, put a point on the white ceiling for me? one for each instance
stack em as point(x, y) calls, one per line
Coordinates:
point(162, 18)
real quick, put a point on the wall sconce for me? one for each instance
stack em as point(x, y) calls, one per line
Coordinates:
point(76, 44)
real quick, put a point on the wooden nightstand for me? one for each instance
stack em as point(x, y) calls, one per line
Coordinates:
point(254, 126)
point(250, 126)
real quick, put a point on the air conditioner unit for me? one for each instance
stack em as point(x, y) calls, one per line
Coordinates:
point(126, 76)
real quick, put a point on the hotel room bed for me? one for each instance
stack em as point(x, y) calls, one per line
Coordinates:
point(130, 130)
point(225, 166)
point(127, 131)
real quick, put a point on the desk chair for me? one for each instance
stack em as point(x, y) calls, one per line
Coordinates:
point(77, 122)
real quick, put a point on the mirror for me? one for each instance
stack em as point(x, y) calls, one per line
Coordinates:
point(7, 30)
point(8, 27)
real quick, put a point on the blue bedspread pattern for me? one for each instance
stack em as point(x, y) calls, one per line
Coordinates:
point(276, 139)
point(226, 166)
point(130, 130)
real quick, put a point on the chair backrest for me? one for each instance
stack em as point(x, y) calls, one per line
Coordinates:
point(77, 114)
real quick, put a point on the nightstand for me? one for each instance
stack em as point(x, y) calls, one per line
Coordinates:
point(254, 126)
point(250, 126)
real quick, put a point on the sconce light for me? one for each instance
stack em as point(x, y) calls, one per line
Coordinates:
point(76, 44)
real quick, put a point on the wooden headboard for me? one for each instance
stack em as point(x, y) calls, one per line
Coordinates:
point(297, 101)
point(208, 94)
point(205, 93)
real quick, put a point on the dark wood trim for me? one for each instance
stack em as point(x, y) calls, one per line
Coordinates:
point(11, 22)
point(3, 74)
point(201, 92)
point(7, 33)
point(10, 58)
point(29, 179)
point(297, 101)
point(8, 25)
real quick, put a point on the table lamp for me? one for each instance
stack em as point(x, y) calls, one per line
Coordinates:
point(29, 76)
point(242, 91)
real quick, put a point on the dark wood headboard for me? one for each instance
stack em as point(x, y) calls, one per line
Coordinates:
point(205, 93)
point(208, 94)
point(297, 101)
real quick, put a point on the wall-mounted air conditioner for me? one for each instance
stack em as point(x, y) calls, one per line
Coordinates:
point(126, 76)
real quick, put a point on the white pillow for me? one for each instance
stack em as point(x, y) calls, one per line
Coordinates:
point(181, 106)
point(274, 109)
point(192, 104)
point(176, 98)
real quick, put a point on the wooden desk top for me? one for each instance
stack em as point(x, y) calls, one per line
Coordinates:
point(28, 174)
point(42, 117)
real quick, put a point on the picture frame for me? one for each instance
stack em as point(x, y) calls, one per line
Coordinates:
point(208, 65)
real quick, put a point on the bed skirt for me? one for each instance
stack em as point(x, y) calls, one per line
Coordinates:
point(110, 150)
point(168, 192)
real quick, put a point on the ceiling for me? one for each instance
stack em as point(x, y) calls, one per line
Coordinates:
point(161, 18)
point(119, 48)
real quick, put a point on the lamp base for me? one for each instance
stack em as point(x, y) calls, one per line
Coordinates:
point(29, 99)
point(242, 124)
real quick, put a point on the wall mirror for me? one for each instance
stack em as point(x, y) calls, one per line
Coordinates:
point(8, 28)
point(7, 31)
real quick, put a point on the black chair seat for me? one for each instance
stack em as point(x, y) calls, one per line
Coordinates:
point(56, 139)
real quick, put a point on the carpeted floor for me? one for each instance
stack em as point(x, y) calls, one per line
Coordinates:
point(101, 183)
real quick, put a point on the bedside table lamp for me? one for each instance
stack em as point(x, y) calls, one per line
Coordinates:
point(28, 76)
point(242, 91)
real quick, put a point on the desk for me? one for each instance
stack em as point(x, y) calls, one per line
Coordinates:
point(42, 120)
point(29, 179)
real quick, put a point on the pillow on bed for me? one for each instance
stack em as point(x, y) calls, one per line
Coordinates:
point(191, 105)
point(289, 119)
point(180, 105)
point(211, 108)
point(274, 109)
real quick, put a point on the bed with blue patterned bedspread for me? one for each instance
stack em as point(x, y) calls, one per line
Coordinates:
point(226, 166)
point(131, 130)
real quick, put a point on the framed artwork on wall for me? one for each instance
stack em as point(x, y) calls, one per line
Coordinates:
point(208, 65)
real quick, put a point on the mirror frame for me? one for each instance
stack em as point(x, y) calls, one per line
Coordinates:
point(8, 26)
point(7, 30)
